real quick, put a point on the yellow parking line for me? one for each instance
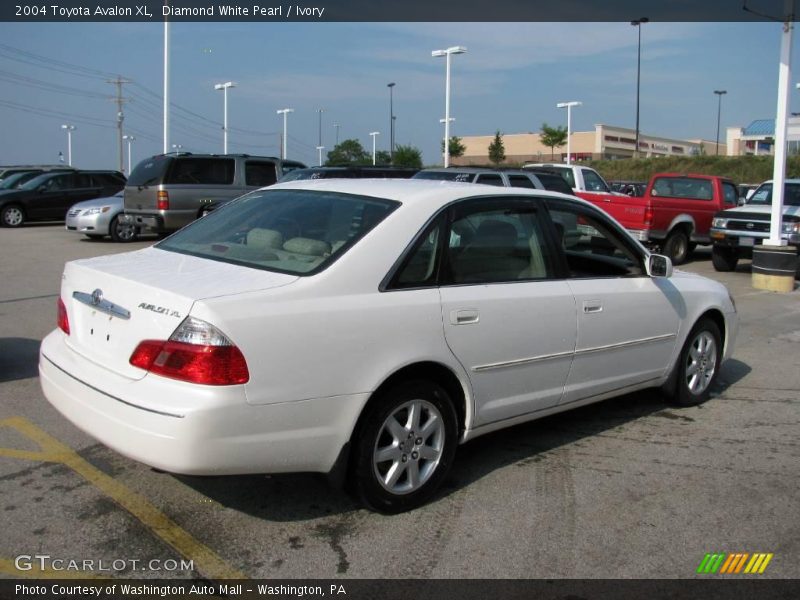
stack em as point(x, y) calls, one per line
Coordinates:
point(7, 567)
point(205, 560)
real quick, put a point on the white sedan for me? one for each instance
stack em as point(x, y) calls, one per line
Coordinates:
point(369, 327)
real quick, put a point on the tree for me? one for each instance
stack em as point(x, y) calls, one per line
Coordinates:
point(407, 156)
point(382, 157)
point(348, 153)
point(497, 151)
point(457, 148)
point(553, 137)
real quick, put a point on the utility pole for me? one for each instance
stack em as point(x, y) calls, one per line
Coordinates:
point(119, 81)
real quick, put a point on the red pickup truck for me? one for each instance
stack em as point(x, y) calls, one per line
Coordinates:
point(675, 212)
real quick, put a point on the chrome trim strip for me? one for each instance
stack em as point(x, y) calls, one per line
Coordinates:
point(657, 338)
point(99, 391)
point(535, 359)
point(97, 302)
point(522, 361)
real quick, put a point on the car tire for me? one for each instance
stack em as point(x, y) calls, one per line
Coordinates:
point(404, 447)
point(12, 215)
point(724, 259)
point(122, 233)
point(677, 247)
point(698, 365)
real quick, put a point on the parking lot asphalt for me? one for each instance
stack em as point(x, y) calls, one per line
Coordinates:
point(627, 488)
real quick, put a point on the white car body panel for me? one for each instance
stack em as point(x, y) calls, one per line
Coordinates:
point(318, 346)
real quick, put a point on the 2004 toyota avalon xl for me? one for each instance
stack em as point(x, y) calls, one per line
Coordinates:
point(369, 327)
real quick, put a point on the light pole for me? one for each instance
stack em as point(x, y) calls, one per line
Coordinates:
point(320, 111)
point(447, 54)
point(177, 147)
point(224, 87)
point(568, 106)
point(719, 93)
point(130, 139)
point(638, 24)
point(166, 83)
point(69, 129)
point(391, 120)
point(284, 112)
point(374, 135)
point(320, 149)
point(336, 127)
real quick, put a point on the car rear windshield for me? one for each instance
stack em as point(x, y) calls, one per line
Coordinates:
point(763, 195)
point(150, 171)
point(289, 231)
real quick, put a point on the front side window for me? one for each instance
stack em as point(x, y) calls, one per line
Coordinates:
point(731, 193)
point(593, 181)
point(289, 231)
point(495, 244)
point(763, 195)
point(203, 171)
point(591, 246)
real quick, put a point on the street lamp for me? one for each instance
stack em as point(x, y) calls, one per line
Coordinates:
point(130, 139)
point(374, 135)
point(284, 112)
point(224, 87)
point(391, 120)
point(336, 127)
point(638, 24)
point(177, 147)
point(719, 93)
point(320, 111)
point(447, 54)
point(568, 106)
point(320, 149)
point(69, 129)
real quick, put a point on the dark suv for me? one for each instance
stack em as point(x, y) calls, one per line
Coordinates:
point(48, 196)
point(167, 191)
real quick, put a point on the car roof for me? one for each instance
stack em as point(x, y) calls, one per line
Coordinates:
point(414, 191)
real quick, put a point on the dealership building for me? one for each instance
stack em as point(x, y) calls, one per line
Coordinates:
point(605, 142)
point(758, 138)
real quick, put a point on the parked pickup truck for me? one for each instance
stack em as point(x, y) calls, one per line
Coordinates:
point(585, 182)
point(675, 212)
point(737, 230)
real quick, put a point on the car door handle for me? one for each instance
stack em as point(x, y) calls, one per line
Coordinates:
point(464, 316)
point(592, 306)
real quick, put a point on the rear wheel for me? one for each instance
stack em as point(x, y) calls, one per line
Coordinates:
point(122, 232)
point(12, 216)
point(724, 259)
point(698, 364)
point(404, 447)
point(677, 246)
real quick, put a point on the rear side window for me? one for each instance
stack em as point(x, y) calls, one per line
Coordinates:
point(202, 171)
point(150, 171)
point(259, 173)
point(554, 183)
point(521, 181)
point(490, 179)
point(683, 187)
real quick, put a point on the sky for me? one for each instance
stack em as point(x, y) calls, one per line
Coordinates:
point(510, 80)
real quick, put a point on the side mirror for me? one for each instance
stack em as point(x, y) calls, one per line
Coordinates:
point(659, 266)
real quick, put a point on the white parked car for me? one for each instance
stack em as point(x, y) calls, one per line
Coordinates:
point(371, 326)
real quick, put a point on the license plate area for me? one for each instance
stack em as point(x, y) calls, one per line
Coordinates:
point(747, 241)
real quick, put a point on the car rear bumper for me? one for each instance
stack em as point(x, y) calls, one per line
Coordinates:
point(193, 429)
point(164, 220)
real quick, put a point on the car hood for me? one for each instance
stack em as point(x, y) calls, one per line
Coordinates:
point(756, 211)
point(115, 200)
point(115, 302)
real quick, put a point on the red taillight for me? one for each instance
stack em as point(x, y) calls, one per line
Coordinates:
point(162, 200)
point(648, 216)
point(63, 319)
point(208, 365)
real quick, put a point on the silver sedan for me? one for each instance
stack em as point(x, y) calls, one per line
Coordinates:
point(100, 217)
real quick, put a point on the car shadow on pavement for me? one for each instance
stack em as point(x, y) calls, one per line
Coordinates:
point(19, 358)
point(300, 497)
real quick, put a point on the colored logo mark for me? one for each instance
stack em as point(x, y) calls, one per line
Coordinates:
point(723, 563)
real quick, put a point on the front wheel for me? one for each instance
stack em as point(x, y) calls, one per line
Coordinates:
point(677, 247)
point(724, 259)
point(12, 216)
point(698, 364)
point(404, 447)
point(122, 232)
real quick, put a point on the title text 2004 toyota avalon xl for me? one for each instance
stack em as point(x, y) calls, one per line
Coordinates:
point(373, 326)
